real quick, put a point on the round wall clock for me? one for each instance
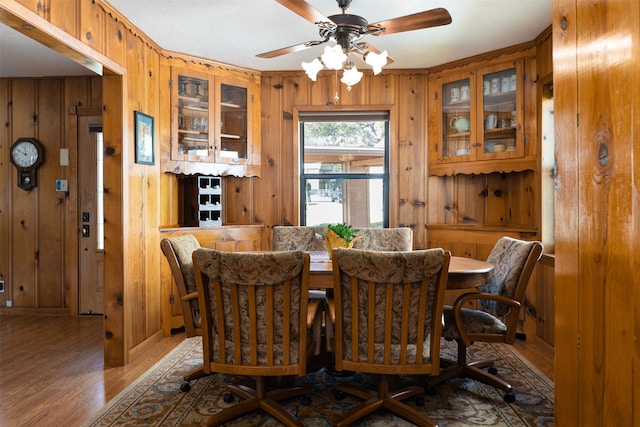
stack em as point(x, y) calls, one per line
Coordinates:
point(27, 154)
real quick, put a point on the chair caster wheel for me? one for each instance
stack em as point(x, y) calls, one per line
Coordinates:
point(185, 387)
point(228, 397)
point(338, 394)
point(430, 391)
point(420, 400)
point(306, 400)
point(509, 397)
point(492, 370)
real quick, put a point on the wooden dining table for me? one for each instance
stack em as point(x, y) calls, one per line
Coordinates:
point(464, 272)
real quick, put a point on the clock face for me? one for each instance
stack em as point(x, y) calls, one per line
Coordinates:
point(25, 154)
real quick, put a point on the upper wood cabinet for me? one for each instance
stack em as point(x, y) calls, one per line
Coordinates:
point(213, 122)
point(192, 119)
point(233, 132)
point(476, 119)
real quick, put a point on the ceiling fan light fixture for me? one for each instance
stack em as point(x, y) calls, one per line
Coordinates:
point(351, 76)
point(312, 68)
point(333, 57)
point(376, 60)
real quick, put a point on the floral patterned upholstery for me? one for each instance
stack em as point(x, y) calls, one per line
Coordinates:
point(236, 277)
point(287, 238)
point(178, 251)
point(385, 239)
point(306, 238)
point(403, 271)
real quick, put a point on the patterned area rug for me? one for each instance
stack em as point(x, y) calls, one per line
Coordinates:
point(155, 399)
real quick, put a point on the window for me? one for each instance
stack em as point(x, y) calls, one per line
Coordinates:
point(345, 168)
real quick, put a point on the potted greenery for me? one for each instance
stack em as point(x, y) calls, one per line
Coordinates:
point(340, 236)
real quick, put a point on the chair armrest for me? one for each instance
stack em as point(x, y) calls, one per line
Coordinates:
point(459, 303)
point(313, 310)
point(189, 297)
point(331, 309)
point(314, 322)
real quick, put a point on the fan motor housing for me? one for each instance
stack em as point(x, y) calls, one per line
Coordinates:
point(349, 28)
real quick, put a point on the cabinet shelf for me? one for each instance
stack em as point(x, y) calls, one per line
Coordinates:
point(201, 108)
point(229, 136)
point(501, 132)
point(231, 106)
point(458, 135)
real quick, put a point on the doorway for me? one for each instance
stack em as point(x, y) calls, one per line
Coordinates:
point(91, 215)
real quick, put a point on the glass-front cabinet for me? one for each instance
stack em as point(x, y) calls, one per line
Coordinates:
point(478, 115)
point(191, 118)
point(233, 132)
point(211, 120)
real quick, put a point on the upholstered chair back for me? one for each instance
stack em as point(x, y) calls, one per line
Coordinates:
point(385, 239)
point(389, 309)
point(287, 238)
point(509, 258)
point(308, 238)
point(178, 251)
point(251, 307)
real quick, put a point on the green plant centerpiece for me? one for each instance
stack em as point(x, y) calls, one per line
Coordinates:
point(340, 236)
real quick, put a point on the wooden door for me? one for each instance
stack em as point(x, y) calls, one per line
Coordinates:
point(90, 235)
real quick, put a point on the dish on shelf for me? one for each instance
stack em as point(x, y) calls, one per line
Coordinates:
point(462, 152)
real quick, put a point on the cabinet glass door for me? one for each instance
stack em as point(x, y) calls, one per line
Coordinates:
point(456, 120)
point(499, 109)
point(193, 118)
point(233, 137)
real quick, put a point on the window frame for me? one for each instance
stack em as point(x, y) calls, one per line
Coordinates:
point(389, 190)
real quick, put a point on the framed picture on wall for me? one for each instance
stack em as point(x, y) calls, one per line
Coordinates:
point(144, 138)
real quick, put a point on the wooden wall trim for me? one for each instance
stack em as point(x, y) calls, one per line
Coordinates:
point(33, 26)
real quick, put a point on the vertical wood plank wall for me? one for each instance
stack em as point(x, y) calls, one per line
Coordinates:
point(276, 191)
point(39, 227)
point(596, 50)
point(139, 199)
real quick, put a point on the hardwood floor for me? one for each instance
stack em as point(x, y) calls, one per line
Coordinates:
point(52, 373)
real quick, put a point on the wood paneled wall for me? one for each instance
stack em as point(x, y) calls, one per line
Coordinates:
point(38, 251)
point(405, 92)
point(596, 50)
point(134, 78)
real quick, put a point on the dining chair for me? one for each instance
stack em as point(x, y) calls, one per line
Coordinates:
point(388, 323)
point(178, 252)
point(373, 239)
point(254, 318)
point(496, 318)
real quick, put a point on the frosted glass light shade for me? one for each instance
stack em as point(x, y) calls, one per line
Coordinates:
point(351, 76)
point(312, 68)
point(376, 60)
point(333, 57)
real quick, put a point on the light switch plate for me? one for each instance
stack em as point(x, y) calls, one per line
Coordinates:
point(64, 157)
point(62, 185)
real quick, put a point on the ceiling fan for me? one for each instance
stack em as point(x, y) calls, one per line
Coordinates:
point(347, 30)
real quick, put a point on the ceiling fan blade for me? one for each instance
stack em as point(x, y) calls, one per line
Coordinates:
point(305, 10)
point(290, 49)
point(417, 21)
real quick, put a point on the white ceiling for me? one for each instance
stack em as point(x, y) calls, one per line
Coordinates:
point(235, 31)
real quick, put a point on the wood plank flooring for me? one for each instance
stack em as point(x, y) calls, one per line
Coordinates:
point(52, 371)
